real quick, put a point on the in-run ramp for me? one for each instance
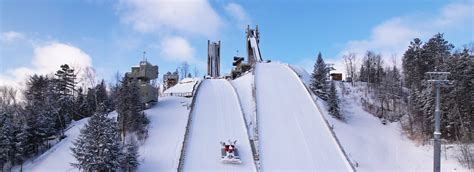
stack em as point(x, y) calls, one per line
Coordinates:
point(216, 117)
point(293, 134)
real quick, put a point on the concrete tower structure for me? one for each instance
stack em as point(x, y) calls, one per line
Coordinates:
point(213, 59)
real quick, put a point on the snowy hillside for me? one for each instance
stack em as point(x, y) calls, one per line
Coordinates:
point(168, 119)
point(372, 146)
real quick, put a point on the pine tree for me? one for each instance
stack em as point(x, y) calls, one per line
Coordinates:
point(6, 139)
point(333, 102)
point(79, 105)
point(98, 148)
point(39, 112)
point(66, 80)
point(23, 146)
point(410, 62)
point(318, 78)
point(101, 95)
point(90, 102)
point(130, 159)
point(128, 106)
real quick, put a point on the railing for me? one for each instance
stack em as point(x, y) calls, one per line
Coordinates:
point(255, 141)
point(188, 126)
point(185, 94)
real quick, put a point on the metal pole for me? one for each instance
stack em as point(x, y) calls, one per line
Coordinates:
point(437, 133)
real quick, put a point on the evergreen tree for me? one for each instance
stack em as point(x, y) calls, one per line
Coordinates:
point(130, 159)
point(101, 95)
point(128, 106)
point(65, 80)
point(23, 146)
point(457, 106)
point(318, 77)
point(410, 62)
point(79, 105)
point(40, 113)
point(6, 140)
point(91, 103)
point(98, 148)
point(333, 102)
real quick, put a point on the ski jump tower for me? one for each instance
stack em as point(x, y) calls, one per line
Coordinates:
point(213, 59)
point(144, 73)
point(253, 50)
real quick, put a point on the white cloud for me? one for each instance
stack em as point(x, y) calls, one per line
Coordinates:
point(176, 49)
point(11, 36)
point(238, 13)
point(393, 36)
point(46, 60)
point(190, 17)
point(455, 13)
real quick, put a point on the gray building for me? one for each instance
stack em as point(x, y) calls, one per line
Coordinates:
point(144, 73)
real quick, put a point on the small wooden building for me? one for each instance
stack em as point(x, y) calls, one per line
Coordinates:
point(336, 76)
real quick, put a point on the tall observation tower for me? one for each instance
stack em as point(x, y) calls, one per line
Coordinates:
point(144, 73)
point(213, 59)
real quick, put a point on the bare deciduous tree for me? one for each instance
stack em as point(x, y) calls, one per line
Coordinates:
point(349, 61)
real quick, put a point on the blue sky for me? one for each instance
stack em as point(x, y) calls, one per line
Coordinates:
point(110, 36)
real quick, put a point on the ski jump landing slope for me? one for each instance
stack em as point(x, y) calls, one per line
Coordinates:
point(216, 117)
point(292, 133)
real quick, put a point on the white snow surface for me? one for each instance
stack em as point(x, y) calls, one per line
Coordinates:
point(162, 149)
point(243, 86)
point(377, 147)
point(293, 135)
point(59, 157)
point(217, 117)
point(186, 85)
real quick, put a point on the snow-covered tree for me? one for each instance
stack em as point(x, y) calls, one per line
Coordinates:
point(130, 157)
point(318, 77)
point(66, 83)
point(6, 139)
point(23, 146)
point(333, 102)
point(98, 147)
point(410, 61)
point(129, 106)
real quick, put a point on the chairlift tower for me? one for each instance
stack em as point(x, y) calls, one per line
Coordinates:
point(439, 79)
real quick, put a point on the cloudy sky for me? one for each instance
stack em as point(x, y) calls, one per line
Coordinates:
point(36, 36)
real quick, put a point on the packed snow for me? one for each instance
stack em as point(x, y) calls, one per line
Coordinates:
point(186, 85)
point(217, 117)
point(59, 157)
point(243, 85)
point(168, 119)
point(293, 135)
point(372, 146)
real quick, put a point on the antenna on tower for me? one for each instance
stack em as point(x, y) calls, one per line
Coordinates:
point(144, 58)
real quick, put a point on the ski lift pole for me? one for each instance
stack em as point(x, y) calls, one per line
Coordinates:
point(438, 78)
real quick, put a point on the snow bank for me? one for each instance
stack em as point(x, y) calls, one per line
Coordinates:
point(59, 157)
point(168, 119)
